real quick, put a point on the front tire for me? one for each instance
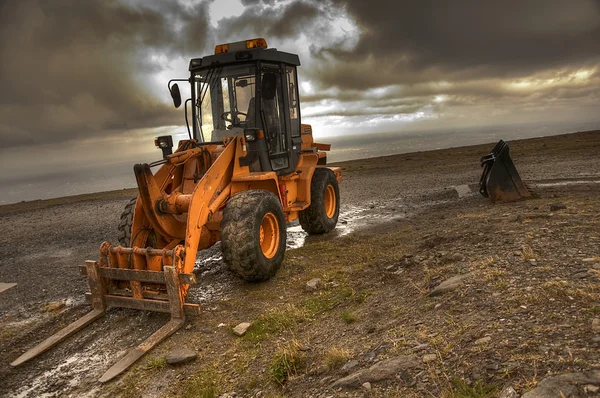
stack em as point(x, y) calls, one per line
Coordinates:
point(253, 235)
point(125, 223)
point(322, 214)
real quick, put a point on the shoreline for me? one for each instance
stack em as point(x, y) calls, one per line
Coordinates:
point(130, 192)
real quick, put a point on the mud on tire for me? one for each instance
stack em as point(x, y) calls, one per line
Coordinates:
point(247, 255)
point(124, 228)
point(322, 214)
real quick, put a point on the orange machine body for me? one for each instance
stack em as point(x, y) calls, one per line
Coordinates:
point(183, 201)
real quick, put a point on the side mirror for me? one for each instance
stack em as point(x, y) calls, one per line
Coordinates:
point(269, 85)
point(241, 83)
point(176, 95)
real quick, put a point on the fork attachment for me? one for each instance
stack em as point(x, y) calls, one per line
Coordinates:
point(115, 283)
point(500, 180)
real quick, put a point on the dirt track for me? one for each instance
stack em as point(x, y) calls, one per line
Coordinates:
point(45, 241)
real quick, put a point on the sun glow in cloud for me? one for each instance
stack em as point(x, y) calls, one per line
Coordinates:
point(562, 78)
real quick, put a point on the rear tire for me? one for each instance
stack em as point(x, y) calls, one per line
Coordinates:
point(322, 214)
point(126, 222)
point(253, 235)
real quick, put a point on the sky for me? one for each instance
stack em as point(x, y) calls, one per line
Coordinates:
point(84, 83)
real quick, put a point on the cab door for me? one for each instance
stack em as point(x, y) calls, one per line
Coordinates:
point(275, 118)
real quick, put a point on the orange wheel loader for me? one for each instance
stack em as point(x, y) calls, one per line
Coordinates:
point(248, 168)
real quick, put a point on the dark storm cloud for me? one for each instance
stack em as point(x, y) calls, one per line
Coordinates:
point(420, 40)
point(72, 68)
point(261, 18)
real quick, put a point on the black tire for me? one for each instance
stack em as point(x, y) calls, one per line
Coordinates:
point(315, 219)
point(126, 222)
point(241, 234)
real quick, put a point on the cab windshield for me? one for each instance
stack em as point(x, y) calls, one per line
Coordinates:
point(225, 103)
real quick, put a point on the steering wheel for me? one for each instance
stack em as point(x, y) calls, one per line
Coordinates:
point(234, 118)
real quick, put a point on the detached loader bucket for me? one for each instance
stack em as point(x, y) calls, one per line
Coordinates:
point(500, 180)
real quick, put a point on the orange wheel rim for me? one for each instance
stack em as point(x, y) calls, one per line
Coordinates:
point(269, 235)
point(330, 201)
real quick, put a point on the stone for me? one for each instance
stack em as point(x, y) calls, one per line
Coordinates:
point(589, 260)
point(366, 386)
point(590, 388)
point(449, 285)
point(462, 190)
point(429, 358)
point(382, 370)
point(241, 328)
point(580, 275)
point(452, 257)
point(557, 206)
point(564, 385)
point(313, 285)
point(348, 366)
point(420, 347)
point(5, 286)
point(492, 367)
point(596, 324)
point(483, 340)
point(180, 356)
point(508, 392)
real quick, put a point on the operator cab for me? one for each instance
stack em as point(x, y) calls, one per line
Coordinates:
point(245, 88)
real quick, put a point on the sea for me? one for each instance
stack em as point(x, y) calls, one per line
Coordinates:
point(119, 174)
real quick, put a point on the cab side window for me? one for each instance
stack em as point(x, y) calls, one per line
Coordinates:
point(292, 88)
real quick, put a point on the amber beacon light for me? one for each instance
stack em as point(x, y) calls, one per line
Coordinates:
point(241, 46)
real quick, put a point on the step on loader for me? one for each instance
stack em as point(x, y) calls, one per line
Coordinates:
point(500, 180)
point(248, 168)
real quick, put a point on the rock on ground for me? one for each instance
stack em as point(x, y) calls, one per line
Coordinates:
point(462, 190)
point(181, 356)
point(429, 358)
point(380, 371)
point(313, 285)
point(449, 285)
point(557, 206)
point(241, 328)
point(566, 385)
point(508, 392)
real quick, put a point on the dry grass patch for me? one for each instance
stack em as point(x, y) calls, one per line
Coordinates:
point(561, 290)
point(348, 317)
point(528, 253)
point(336, 357)
point(286, 362)
point(155, 363)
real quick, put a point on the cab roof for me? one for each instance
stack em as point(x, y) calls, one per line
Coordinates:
point(257, 54)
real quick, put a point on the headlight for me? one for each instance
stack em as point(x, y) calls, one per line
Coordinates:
point(250, 137)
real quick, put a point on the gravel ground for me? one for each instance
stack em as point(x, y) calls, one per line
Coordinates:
point(44, 242)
